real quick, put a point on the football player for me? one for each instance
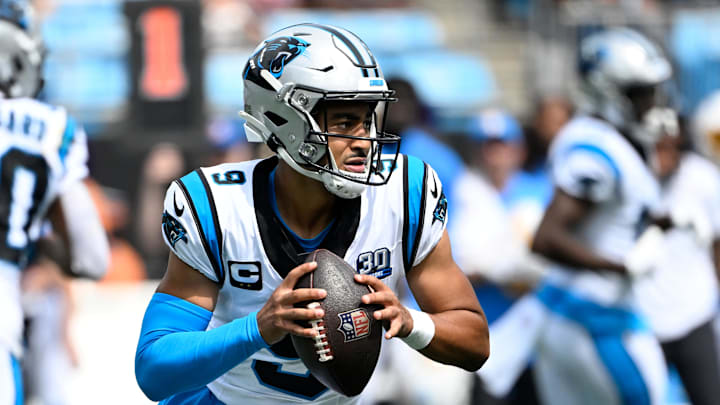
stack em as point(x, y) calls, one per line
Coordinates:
point(680, 297)
point(217, 329)
point(43, 155)
point(595, 348)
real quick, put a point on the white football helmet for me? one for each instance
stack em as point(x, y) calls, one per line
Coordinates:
point(614, 61)
point(287, 76)
point(21, 53)
point(706, 127)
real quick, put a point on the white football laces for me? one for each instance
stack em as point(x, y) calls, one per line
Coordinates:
point(322, 347)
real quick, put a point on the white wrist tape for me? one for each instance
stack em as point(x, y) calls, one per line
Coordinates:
point(644, 255)
point(423, 330)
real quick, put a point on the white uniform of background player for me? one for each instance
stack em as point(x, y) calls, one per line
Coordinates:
point(682, 293)
point(594, 344)
point(498, 254)
point(43, 155)
point(594, 348)
point(706, 139)
point(680, 296)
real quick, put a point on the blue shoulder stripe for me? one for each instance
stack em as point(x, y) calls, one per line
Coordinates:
point(197, 192)
point(414, 180)
point(67, 138)
point(594, 149)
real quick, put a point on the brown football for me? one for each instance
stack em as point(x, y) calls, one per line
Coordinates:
point(344, 356)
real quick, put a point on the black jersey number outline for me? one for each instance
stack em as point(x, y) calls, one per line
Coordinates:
point(271, 375)
point(19, 202)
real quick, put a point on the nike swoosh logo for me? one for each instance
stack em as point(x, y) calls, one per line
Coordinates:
point(325, 69)
point(178, 211)
point(434, 190)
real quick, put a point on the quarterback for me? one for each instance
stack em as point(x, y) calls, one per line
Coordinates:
point(217, 329)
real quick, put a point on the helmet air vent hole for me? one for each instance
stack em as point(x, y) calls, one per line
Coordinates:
point(276, 119)
point(18, 63)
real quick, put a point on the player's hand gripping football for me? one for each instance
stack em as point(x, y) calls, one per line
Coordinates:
point(395, 316)
point(277, 317)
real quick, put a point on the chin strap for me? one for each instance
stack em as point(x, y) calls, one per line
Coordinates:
point(337, 186)
point(342, 188)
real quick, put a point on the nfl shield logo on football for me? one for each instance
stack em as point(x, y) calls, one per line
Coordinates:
point(354, 324)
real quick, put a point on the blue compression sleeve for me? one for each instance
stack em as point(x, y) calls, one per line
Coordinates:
point(175, 353)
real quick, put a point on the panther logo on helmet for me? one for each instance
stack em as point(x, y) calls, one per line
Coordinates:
point(273, 57)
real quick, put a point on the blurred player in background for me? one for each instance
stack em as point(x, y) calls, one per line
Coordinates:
point(496, 252)
point(217, 329)
point(498, 152)
point(595, 348)
point(164, 162)
point(43, 155)
point(50, 354)
point(550, 113)
point(705, 131)
point(680, 296)
point(125, 263)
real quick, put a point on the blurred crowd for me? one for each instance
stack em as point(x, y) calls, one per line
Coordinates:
point(491, 159)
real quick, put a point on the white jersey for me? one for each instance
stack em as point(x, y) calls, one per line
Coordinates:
point(590, 160)
point(613, 358)
point(42, 151)
point(681, 293)
point(494, 253)
point(220, 221)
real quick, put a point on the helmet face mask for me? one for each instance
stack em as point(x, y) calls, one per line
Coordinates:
point(650, 118)
point(290, 81)
point(370, 115)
